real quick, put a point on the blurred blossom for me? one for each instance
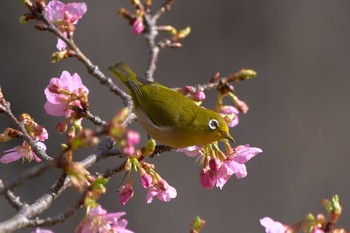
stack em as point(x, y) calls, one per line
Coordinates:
point(64, 93)
point(162, 190)
point(199, 96)
point(231, 112)
point(272, 226)
point(98, 220)
point(316, 230)
point(138, 26)
point(24, 151)
point(42, 230)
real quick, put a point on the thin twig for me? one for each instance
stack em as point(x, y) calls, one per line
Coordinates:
point(14, 200)
point(95, 119)
point(151, 34)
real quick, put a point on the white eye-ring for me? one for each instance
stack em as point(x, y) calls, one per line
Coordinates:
point(213, 124)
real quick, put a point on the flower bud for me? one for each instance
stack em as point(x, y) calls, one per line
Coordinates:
point(183, 33)
point(148, 148)
point(138, 26)
point(244, 74)
point(125, 193)
point(214, 165)
point(207, 178)
point(197, 224)
point(146, 179)
point(198, 96)
point(59, 55)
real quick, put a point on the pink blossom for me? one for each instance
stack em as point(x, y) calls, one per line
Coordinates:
point(146, 180)
point(62, 94)
point(64, 16)
point(219, 172)
point(191, 151)
point(231, 112)
point(24, 151)
point(138, 26)
point(42, 230)
point(59, 13)
point(235, 164)
point(98, 220)
point(272, 226)
point(162, 190)
point(125, 193)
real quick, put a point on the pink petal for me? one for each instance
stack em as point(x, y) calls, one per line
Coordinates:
point(74, 82)
point(150, 194)
point(245, 153)
point(55, 109)
point(61, 45)
point(54, 10)
point(233, 167)
point(75, 11)
point(11, 155)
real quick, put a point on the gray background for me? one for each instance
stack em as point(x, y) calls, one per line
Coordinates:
point(299, 111)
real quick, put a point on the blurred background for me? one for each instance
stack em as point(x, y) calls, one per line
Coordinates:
point(299, 112)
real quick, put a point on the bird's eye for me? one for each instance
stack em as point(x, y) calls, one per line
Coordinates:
point(213, 124)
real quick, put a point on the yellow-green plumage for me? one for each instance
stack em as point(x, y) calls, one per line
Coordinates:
point(168, 116)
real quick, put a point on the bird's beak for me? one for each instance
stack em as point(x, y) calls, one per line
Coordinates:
point(228, 137)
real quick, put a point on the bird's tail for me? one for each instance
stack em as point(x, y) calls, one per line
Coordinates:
point(123, 72)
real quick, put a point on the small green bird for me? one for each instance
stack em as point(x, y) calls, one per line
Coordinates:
point(168, 116)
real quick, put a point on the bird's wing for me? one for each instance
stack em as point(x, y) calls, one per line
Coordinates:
point(164, 107)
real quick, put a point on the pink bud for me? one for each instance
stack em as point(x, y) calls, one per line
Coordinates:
point(199, 96)
point(207, 178)
point(214, 164)
point(241, 106)
point(132, 137)
point(186, 89)
point(138, 26)
point(125, 193)
point(146, 180)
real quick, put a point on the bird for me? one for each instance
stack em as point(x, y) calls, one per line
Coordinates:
point(168, 116)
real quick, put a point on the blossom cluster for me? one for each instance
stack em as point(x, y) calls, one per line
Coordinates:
point(37, 132)
point(218, 167)
point(311, 224)
point(155, 185)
